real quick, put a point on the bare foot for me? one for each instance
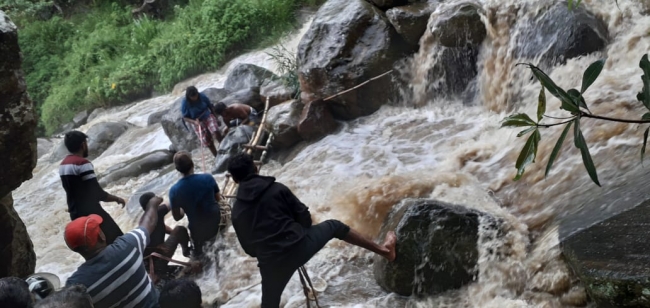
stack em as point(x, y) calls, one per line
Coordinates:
point(389, 243)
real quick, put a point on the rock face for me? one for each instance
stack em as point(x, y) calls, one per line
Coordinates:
point(156, 117)
point(282, 121)
point(245, 76)
point(387, 4)
point(316, 121)
point(437, 247)
point(17, 129)
point(569, 33)
point(137, 166)
point(17, 256)
point(604, 243)
point(410, 21)
point(250, 97)
point(231, 145)
point(182, 137)
point(80, 119)
point(344, 48)
point(215, 94)
point(102, 135)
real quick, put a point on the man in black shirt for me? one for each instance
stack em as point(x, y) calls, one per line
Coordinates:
point(273, 226)
point(167, 248)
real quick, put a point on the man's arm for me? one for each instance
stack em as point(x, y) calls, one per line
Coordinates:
point(87, 173)
point(300, 211)
point(112, 198)
point(150, 217)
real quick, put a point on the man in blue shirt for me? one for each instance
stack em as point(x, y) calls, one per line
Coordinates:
point(195, 195)
point(196, 109)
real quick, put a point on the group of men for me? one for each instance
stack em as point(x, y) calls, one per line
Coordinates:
point(270, 222)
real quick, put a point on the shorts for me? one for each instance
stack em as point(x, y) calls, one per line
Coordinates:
point(204, 131)
point(276, 275)
point(179, 235)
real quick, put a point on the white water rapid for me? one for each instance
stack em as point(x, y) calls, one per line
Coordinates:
point(447, 149)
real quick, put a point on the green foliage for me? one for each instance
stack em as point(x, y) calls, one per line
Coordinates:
point(287, 63)
point(104, 56)
point(573, 102)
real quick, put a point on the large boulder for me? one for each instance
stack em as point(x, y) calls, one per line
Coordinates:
point(17, 113)
point(179, 133)
point(277, 92)
point(245, 76)
point(605, 242)
point(17, 256)
point(231, 145)
point(410, 21)
point(342, 49)
point(80, 118)
point(387, 4)
point(96, 113)
point(436, 247)
point(316, 121)
point(102, 135)
point(136, 166)
point(215, 94)
point(43, 146)
point(250, 96)
point(156, 117)
point(555, 34)
point(282, 120)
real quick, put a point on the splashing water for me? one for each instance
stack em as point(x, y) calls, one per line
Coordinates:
point(445, 149)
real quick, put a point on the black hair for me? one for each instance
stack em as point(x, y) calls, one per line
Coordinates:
point(74, 296)
point(144, 199)
point(219, 107)
point(241, 166)
point(14, 292)
point(73, 140)
point(180, 293)
point(190, 92)
point(183, 162)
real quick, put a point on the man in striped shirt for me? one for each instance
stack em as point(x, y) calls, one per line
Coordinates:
point(82, 189)
point(114, 274)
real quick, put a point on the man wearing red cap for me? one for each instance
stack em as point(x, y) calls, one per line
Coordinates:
point(114, 274)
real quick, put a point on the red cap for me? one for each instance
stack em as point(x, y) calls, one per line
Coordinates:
point(83, 232)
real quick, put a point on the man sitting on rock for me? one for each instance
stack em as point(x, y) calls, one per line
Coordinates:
point(195, 195)
point(81, 187)
point(236, 114)
point(114, 274)
point(273, 226)
point(158, 244)
point(196, 110)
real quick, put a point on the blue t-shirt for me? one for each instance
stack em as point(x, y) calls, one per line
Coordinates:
point(194, 110)
point(195, 194)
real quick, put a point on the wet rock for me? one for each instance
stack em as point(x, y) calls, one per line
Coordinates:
point(80, 119)
point(557, 34)
point(156, 117)
point(245, 76)
point(276, 92)
point(436, 247)
point(459, 26)
point(102, 135)
point(43, 146)
point(316, 121)
point(17, 256)
point(605, 243)
point(250, 97)
point(231, 145)
point(387, 4)
point(344, 48)
point(282, 120)
point(410, 21)
point(215, 94)
point(136, 166)
point(17, 113)
point(59, 152)
point(181, 135)
point(96, 113)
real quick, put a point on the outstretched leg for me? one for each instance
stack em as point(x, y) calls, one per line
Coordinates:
point(386, 250)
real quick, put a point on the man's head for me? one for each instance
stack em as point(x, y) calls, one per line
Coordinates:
point(241, 166)
point(180, 293)
point(219, 108)
point(14, 292)
point(76, 142)
point(70, 297)
point(183, 162)
point(144, 199)
point(84, 235)
point(192, 93)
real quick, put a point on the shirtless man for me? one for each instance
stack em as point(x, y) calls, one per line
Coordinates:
point(242, 114)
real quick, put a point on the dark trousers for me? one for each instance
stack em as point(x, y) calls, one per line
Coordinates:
point(276, 275)
point(204, 232)
point(179, 235)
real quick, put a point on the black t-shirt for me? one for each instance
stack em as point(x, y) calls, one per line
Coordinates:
point(82, 189)
point(158, 234)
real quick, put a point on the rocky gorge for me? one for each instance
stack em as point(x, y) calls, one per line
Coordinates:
point(471, 237)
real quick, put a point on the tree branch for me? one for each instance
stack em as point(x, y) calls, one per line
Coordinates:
point(587, 115)
point(555, 124)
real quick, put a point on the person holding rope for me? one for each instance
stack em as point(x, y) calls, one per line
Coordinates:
point(273, 226)
point(196, 109)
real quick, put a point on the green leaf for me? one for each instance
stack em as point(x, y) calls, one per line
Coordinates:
point(591, 73)
point(646, 116)
point(570, 4)
point(541, 105)
point(518, 120)
point(547, 82)
point(556, 149)
point(577, 98)
point(526, 131)
point(645, 140)
point(528, 153)
point(644, 95)
point(581, 144)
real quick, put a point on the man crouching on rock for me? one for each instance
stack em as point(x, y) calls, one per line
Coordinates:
point(273, 226)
